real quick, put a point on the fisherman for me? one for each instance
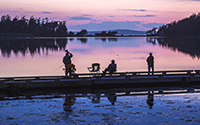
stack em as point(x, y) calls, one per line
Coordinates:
point(67, 61)
point(150, 63)
point(112, 67)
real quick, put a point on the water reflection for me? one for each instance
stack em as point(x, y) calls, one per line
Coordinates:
point(128, 52)
point(110, 39)
point(187, 45)
point(95, 98)
point(150, 99)
point(32, 46)
point(112, 97)
point(103, 106)
point(69, 102)
point(83, 40)
point(38, 46)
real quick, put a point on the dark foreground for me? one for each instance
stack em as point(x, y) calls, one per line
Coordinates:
point(149, 105)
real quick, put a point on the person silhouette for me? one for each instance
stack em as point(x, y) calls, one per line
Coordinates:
point(150, 63)
point(67, 61)
point(112, 67)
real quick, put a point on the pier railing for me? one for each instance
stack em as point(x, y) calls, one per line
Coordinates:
point(89, 75)
point(160, 78)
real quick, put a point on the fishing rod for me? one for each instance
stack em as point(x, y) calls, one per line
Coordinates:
point(59, 67)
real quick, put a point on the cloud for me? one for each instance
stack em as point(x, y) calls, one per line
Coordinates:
point(141, 10)
point(110, 25)
point(80, 18)
point(144, 15)
point(87, 15)
point(46, 12)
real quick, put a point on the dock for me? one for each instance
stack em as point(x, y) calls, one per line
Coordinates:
point(92, 80)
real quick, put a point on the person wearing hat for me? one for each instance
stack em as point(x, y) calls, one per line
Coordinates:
point(112, 67)
point(67, 61)
point(150, 63)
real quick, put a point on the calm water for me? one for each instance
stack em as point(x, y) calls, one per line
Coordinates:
point(127, 107)
point(32, 57)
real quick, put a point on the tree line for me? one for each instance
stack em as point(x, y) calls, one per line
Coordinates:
point(38, 27)
point(32, 26)
point(186, 27)
point(104, 33)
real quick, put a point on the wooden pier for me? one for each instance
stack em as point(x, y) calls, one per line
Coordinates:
point(119, 79)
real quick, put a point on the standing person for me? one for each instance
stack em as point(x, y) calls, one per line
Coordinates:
point(150, 63)
point(112, 67)
point(67, 61)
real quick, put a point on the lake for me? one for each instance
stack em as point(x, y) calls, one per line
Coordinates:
point(43, 56)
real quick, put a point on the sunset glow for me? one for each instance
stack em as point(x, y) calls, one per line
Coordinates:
point(149, 13)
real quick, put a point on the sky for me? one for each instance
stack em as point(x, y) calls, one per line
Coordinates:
point(95, 15)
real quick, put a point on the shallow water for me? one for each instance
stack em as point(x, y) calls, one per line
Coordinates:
point(102, 108)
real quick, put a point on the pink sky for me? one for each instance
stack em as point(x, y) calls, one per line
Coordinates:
point(91, 12)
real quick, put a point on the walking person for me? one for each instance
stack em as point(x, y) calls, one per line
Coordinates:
point(150, 63)
point(67, 61)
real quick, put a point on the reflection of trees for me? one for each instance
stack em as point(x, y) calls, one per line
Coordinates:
point(188, 45)
point(104, 39)
point(83, 40)
point(32, 46)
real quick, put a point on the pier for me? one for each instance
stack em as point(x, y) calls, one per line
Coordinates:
point(92, 80)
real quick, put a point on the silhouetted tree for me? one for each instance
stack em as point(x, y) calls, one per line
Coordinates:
point(152, 31)
point(33, 26)
point(61, 29)
point(186, 27)
point(111, 33)
point(103, 33)
point(71, 34)
point(82, 33)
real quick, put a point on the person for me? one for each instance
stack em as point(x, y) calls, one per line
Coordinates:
point(150, 63)
point(67, 61)
point(112, 67)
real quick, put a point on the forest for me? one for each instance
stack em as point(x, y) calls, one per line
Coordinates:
point(186, 27)
point(32, 27)
point(37, 27)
